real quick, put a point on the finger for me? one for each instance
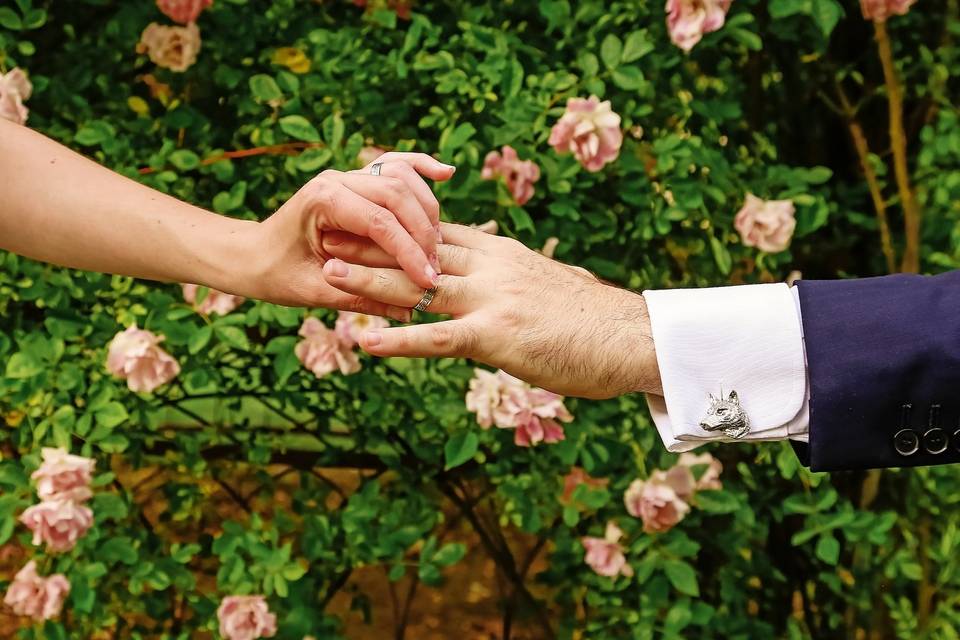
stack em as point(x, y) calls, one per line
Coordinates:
point(453, 338)
point(394, 194)
point(343, 209)
point(419, 188)
point(393, 287)
point(455, 260)
point(343, 301)
point(490, 226)
point(424, 164)
point(467, 237)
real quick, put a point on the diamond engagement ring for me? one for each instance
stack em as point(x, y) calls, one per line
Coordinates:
point(375, 169)
point(426, 299)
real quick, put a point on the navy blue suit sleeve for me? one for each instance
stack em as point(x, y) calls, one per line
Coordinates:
point(883, 358)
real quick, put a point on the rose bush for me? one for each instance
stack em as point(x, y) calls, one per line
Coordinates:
point(256, 475)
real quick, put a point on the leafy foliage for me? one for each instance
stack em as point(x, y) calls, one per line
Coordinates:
point(756, 107)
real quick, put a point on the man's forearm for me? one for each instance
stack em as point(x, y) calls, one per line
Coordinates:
point(60, 207)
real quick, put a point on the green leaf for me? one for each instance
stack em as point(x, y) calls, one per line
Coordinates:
point(233, 336)
point(199, 339)
point(717, 501)
point(629, 78)
point(9, 19)
point(682, 577)
point(264, 88)
point(118, 549)
point(826, 13)
point(112, 415)
point(636, 46)
point(300, 128)
point(610, 51)
point(828, 549)
point(721, 256)
point(333, 130)
point(521, 219)
point(184, 159)
point(22, 365)
point(450, 554)
point(460, 448)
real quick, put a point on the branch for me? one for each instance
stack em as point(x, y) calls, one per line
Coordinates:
point(285, 149)
point(863, 152)
point(898, 143)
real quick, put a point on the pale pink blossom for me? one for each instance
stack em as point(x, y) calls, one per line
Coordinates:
point(689, 20)
point(766, 224)
point(183, 11)
point(58, 524)
point(658, 501)
point(605, 555)
point(369, 154)
point(63, 476)
point(215, 302)
point(322, 352)
point(34, 596)
point(712, 468)
point(135, 355)
point(484, 396)
point(502, 400)
point(880, 10)
point(576, 477)
point(174, 48)
point(246, 618)
point(519, 175)
point(350, 326)
point(590, 130)
point(15, 88)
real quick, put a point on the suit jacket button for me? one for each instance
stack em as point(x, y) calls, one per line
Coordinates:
point(906, 442)
point(935, 440)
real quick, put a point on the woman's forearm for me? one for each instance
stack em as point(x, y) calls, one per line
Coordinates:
point(59, 207)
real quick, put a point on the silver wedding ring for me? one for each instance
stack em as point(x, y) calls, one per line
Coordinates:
point(375, 169)
point(426, 299)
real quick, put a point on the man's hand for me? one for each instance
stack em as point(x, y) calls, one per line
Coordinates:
point(396, 211)
point(550, 324)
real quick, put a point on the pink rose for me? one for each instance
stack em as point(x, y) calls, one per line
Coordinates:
point(576, 477)
point(14, 89)
point(134, 355)
point(174, 48)
point(688, 20)
point(484, 396)
point(766, 224)
point(658, 501)
point(590, 130)
point(368, 155)
point(322, 352)
point(350, 326)
point(183, 11)
point(533, 412)
point(246, 618)
point(880, 10)
point(58, 523)
point(605, 555)
point(216, 301)
point(710, 478)
point(36, 597)
point(520, 175)
point(62, 476)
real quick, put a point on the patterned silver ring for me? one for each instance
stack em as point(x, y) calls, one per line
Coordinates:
point(426, 299)
point(375, 169)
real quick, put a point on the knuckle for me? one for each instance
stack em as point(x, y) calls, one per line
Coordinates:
point(395, 187)
point(357, 304)
point(328, 173)
point(323, 192)
point(381, 221)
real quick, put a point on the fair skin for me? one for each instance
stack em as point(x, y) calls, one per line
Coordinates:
point(553, 325)
point(62, 208)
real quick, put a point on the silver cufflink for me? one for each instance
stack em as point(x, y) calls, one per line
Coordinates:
point(726, 415)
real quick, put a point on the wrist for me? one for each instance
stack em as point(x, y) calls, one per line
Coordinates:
point(641, 372)
point(227, 258)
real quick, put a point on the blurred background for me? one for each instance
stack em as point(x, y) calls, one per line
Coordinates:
point(250, 496)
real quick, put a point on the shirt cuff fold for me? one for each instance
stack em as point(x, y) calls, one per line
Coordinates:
point(746, 339)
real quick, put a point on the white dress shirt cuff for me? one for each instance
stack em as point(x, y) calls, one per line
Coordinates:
point(746, 339)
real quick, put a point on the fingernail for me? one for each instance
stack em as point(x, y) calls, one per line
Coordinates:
point(435, 261)
point(431, 275)
point(337, 268)
point(399, 314)
point(451, 167)
point(373, 338)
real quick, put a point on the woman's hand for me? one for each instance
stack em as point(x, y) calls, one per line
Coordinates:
point(396, 210)
point(550, 324)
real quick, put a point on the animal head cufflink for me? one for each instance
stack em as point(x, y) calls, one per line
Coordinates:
point(726, 415)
